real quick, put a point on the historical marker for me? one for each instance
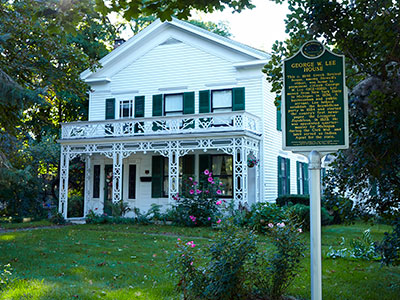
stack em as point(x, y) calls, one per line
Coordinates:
point(314, 121)
point(314, 110)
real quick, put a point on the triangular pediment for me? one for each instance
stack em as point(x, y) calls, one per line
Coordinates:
point(170, 33)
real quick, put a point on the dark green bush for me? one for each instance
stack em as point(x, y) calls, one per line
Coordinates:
point(293, 199)
point(57, 219)
point(263, 213)
point(340, 208)
point(302, 214)
point(75, 206)
point(389, 248)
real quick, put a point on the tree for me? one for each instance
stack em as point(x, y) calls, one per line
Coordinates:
point(367, 32)
point(164, 9)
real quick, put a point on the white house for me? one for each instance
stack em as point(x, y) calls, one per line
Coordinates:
point(175, 100)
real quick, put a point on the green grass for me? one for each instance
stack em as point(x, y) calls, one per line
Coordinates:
point(130, 262)
point(33, 224)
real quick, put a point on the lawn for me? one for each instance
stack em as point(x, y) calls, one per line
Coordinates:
point(130, 262)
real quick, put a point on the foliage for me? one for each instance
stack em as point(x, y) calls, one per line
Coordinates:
point(198, 205)
point(275, 271)
point(164, 9)
point(57, 218)
point(293, 199)
point(339, 207)
point(263, 213)
point(75, 206)
point(221, 28)
point(302, 214)
point(235, 269)
point(6, 277)
point(119, 208)
point(366, 32)
point(363, 248)
point(389, 248)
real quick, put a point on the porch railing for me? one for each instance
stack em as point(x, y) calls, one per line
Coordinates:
point(199, 123)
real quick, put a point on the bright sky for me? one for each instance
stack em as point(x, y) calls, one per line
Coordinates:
point(259, 27)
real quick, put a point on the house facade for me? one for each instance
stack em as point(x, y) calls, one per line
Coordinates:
point(173, 101)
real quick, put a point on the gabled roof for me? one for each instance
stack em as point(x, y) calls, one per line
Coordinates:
point(156, 25)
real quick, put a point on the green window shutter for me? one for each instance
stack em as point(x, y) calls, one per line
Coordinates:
point(279, 176)
point(306, 189)
point(132, 182)
point(157, 176)
point(298, 170)
point(110, 108)
point(96, 181)
point(139, 106)
point(288, 175)
point(204, 101)
point(157, 105)
point(279, 117)
point(188, 165)
point(188, 103)
point(238, 99)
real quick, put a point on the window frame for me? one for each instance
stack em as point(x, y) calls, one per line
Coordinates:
point(285, 179)
point(165, 113)
point(301, 176)
point(130, 107)
point(212, 109)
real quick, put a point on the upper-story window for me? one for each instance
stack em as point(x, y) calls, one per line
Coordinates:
point(173, 104)
point(221, 100)
point(126, 109)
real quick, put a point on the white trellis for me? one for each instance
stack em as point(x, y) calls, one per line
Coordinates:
point(238, 147)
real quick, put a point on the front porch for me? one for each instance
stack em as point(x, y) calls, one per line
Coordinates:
point(119, 159)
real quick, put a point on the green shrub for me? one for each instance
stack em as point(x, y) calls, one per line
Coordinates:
point(340, 208)
point(119, 208)
point(274, 271)
point(263, 213)
point(57, 218)
point(293, 199)
point(389, 248)
point(302, 214)
point(233, 268)
point(75, 206)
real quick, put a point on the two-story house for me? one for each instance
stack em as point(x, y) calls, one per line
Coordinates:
point(175, 100)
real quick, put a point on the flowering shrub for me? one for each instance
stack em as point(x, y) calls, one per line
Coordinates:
point(198, 205)
point(6, 277)
point(263, 213)
point(274, 271)
point(233, 268)
point(252, 161)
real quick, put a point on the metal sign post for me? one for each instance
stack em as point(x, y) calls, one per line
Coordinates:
point(315, 123)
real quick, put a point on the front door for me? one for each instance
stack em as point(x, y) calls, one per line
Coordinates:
point(108, 187)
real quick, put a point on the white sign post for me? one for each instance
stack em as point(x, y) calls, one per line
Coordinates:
point(314, 123)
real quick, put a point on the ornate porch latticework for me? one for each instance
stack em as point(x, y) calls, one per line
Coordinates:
point(238, 147)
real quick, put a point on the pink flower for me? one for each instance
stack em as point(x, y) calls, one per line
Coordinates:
point(270, 225)
point(198, 191)
point(193, 218)
point(193, 245)
point(183, 255)
point(209, 218)
point(191, 263)
point(191, 192)
point(220, 184)
point(210, 174)
point(219, 221)
point(210, 179)
point(206, 191)
point(219, 192)
point(299, 230)
point(190, 178)
point(194, 182)
point(218, 202)
point(179, 239)
point(206, 172)
point(280, 225)
point(212, 182)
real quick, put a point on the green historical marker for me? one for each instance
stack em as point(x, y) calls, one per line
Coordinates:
point(314, 108)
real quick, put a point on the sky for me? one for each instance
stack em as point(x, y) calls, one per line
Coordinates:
point(259, 27)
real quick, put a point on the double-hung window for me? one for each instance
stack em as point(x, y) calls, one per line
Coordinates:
point(221, 100)
point(302, 178)
point(222, 169)
point(126, 109)
point(283, 176)
point(173, 104)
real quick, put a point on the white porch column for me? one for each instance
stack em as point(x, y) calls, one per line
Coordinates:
point(117, 175)
point(173, 174)
point(88, 194)
point(240, 171)
point(63, 188)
